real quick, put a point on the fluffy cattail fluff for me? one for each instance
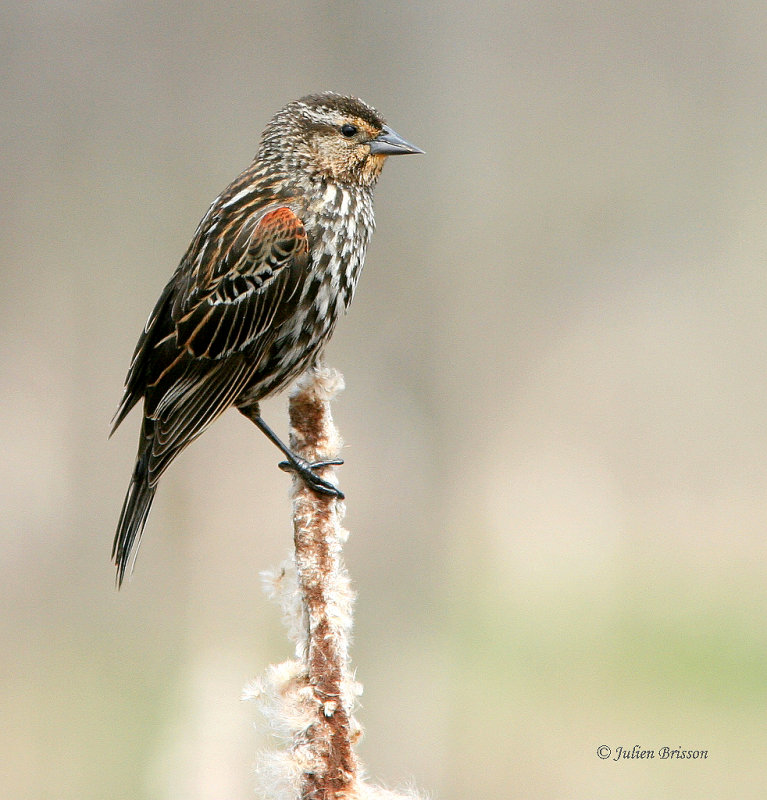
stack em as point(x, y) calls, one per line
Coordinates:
point(309, 700)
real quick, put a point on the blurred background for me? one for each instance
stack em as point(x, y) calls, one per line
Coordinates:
point(555, 414)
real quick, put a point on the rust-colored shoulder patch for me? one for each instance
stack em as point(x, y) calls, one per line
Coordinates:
point(283, 224)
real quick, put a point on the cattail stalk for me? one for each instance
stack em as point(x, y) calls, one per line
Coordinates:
point(309, 700)
point(324, 586)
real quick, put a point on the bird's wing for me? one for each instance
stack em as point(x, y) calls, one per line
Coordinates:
point(223, 327)
point(254, 287)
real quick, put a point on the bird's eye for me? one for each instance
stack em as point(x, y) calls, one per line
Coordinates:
point(348, 130)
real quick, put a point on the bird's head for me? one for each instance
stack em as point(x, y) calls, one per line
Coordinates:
point(332, 137)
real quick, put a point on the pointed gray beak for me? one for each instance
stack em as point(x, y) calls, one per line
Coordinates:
point(389, 143)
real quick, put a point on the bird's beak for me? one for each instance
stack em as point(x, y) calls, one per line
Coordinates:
point(389, 143)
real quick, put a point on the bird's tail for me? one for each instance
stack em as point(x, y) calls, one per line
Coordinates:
point(134, 513)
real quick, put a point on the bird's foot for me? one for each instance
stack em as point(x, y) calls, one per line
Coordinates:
point(305, 470)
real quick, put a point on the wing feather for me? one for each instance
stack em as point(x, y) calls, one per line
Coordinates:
point(254, 288)
point(194, 411)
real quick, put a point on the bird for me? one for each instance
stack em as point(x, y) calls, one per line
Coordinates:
point(272, 266)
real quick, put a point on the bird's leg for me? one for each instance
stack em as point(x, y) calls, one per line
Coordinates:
point(303, 468)
point(294, 463)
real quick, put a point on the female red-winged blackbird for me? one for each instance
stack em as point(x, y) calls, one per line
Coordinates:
point(272, 266)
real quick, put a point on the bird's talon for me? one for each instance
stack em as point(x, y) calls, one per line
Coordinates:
point(306, 471)
point(331, 462)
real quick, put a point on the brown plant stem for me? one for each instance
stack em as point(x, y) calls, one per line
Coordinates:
point(308, 700)
point(320, 573)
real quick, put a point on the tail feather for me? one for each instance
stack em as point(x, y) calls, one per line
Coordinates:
point(134, 514)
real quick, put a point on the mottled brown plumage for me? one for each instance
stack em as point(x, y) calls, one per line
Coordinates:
point(273, 264)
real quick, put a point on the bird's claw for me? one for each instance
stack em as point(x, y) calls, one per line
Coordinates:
point(305, 470)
